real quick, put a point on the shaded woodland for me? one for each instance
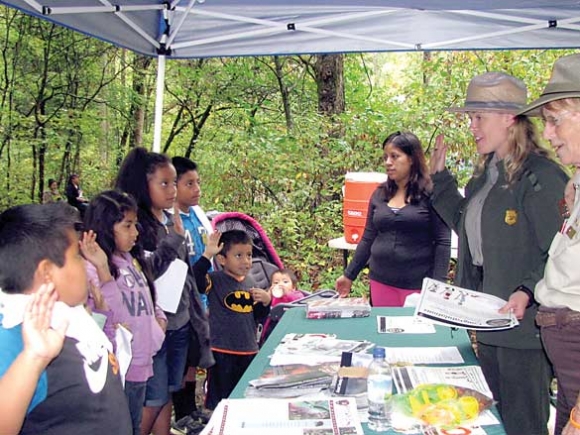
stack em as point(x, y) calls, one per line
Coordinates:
point(273, 136)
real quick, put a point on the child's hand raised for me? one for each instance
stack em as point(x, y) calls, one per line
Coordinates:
point(177, 221)
point(213, 245)
point(41, 341)
point(92, 251)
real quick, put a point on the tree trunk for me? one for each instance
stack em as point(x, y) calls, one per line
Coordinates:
point(426, 60)
point(285, 93)
point(330, 83)
point(138, 107)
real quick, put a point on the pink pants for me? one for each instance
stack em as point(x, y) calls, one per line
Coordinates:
point(383, 295)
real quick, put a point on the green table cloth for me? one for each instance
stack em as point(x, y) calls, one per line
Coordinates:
point(295, 321)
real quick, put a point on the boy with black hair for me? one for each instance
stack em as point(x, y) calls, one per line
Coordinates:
point(197, 226)
point(58, 375)
point(234, 306)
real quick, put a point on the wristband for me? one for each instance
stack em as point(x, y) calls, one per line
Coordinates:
point(572, 421)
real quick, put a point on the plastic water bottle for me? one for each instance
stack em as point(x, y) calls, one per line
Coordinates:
point(379, 392)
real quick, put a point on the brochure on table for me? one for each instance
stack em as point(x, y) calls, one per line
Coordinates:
point(313, 349)
point(461, 308)
point(284, 417)
point(404, 325)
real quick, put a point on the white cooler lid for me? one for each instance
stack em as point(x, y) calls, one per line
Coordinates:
point(366, 177)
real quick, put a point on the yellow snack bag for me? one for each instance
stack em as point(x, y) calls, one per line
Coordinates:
point(442, 405)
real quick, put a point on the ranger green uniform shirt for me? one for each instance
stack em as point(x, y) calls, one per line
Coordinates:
point(518, 224)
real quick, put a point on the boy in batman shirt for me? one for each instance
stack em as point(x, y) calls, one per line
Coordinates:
point(234, 305)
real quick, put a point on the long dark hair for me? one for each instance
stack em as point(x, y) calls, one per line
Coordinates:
point(420, 185)
point(133, 178)
point(104, 211)
point(71, 177)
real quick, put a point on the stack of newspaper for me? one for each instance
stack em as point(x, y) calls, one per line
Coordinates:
point(303, 364)
point(337, 308)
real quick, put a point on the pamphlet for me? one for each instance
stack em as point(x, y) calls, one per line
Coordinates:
point(404, 325)
point(314, 349)
point(423, 355)
point(294, 375)
point(284, 417)
point(458, 307)
point(294, 380)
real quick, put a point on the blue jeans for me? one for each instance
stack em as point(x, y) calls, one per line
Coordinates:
point(168, 367)
point(135, 393)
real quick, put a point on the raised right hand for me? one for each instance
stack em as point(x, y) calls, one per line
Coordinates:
point(437, 161)
point(177, 221)
point(213, 246)
point(91, 250)
point(41, 341)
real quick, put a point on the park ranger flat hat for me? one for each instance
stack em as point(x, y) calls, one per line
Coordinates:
point(564, 83)
point(494, 92)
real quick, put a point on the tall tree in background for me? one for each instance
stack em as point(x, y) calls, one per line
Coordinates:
point(330, 82)
point(139, 107)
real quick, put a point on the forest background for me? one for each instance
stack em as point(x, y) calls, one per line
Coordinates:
point(273, 136)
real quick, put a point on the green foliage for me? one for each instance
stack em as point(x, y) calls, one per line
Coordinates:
point(66, 105)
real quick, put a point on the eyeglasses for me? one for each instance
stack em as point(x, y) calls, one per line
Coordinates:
point(555, 120)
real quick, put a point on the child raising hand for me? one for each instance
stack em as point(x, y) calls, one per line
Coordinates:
point(235, 305)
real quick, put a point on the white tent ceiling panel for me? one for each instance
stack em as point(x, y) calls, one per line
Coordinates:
point(266, 27)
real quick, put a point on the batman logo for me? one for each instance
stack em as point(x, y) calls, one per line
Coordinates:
point(239, 301)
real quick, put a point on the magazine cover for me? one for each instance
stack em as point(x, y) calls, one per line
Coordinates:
point(295, 374)
point(294, 380)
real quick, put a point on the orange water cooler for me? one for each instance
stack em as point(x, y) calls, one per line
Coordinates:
point(358, 188)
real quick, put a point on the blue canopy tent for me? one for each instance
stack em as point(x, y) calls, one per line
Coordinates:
point(213, 28)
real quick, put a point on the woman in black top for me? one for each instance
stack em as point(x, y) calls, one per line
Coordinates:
point(74, 194)
point(404, 239)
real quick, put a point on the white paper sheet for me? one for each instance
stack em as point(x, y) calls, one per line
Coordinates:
point(169, 286)
point(284, 417)
point(124, 354)
point(407, 378)
point(403, 325)
point(101, 319)
point(314, 349)
point(455, 306)
point(424, 355)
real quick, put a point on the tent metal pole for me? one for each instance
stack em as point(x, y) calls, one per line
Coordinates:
point(159, 103)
